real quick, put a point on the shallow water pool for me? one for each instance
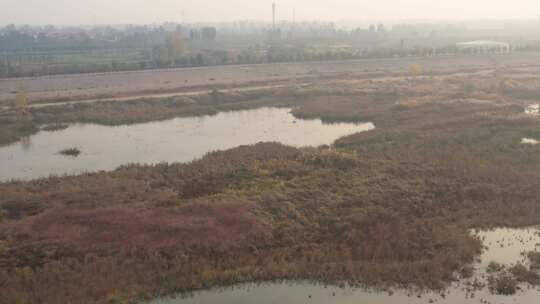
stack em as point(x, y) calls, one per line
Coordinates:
point(175, 140)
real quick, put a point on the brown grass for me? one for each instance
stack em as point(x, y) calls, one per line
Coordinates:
point(387, 207)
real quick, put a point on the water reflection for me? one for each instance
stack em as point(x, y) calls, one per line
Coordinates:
point(176, 140)
point(26, 143)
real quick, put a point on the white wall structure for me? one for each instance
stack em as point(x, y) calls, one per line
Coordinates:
point(485, 46)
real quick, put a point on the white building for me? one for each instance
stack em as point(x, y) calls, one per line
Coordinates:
point(485, 46)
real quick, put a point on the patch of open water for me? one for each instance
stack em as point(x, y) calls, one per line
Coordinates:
point(175, 140)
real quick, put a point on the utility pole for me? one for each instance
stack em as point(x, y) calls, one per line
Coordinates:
point(273, 17)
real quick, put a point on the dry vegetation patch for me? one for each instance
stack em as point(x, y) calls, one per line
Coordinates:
point(386, 207)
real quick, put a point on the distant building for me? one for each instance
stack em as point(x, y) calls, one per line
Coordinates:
point(485, 46)
point(209, 33)
point(195, 35)
point(206, 34)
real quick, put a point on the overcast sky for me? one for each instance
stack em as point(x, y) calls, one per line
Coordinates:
point(155, 11)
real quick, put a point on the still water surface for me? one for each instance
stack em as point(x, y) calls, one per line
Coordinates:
point(503, 246)
point(176, 140)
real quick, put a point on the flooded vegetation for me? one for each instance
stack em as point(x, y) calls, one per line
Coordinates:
point(73, 152)
point(177, 140)
point(504, 249)
point(54, 127)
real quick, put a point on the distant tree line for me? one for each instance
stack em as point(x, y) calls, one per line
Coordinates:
point(27, 51)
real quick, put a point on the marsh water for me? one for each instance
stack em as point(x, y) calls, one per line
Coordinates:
point(502, 246)
point(175, 140)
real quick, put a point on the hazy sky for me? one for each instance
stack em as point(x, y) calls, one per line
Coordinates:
point(150, 11)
